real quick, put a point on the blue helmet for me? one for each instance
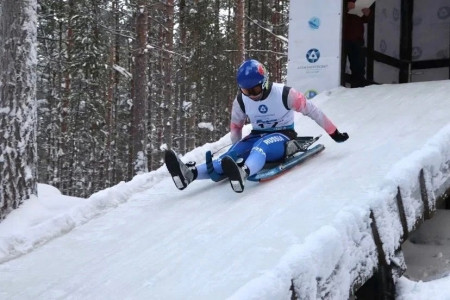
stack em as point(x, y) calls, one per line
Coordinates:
point(252, 73)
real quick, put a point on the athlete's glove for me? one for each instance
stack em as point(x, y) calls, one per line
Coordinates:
point(339, 137)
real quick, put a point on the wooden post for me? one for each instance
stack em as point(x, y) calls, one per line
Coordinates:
point(427, 210)
point(402, 215)
point(370, 45)
point(381, 285)
point(406, 27)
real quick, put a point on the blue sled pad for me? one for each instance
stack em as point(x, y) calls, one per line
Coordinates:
point(288, 163)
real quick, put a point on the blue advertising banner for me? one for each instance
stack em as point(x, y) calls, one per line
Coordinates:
point(314, 53)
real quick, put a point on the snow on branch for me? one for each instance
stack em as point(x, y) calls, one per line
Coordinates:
point(206, 125)
point(122, 71)
point(280, 37)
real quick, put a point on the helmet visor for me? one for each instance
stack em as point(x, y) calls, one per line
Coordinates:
point(254, 91)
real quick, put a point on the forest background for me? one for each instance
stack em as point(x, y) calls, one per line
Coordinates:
point(120, 81)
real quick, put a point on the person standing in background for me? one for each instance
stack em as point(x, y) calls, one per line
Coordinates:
point(353, 43)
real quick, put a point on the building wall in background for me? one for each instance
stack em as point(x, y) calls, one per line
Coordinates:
point(430, 38)
point(315, 43)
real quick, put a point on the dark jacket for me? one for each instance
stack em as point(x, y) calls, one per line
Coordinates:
point(353, 25)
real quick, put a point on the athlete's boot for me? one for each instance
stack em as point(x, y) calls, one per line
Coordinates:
point(236, 174)
point(182, 174)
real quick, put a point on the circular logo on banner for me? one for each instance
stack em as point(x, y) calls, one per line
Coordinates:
point(310, 94)
point(396, 14)
point(262, 109)
point(443, 12)
point(313, 55)
point(314, 23)
point(416, 52)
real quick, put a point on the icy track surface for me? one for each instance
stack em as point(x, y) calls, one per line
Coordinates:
point(145, 239)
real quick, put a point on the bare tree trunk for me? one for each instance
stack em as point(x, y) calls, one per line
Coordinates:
point(140, 101)
point(108, 159)
point(110, 101)
point(158, 124)
point(168, 62)
point(194, 89)
point(275, 62)
point(114, 164)
point(240, 31)
point(65, 139)
point(18, 119)
point(182, 132)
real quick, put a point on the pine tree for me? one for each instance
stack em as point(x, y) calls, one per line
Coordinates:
point(140, 101)
point(17, 103)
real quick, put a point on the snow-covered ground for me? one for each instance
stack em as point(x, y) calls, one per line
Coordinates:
point(427, 252)
point(144, 239)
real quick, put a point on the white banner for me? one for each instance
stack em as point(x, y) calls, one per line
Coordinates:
point(314, 53)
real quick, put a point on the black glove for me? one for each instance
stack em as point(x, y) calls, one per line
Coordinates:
point(339, 137)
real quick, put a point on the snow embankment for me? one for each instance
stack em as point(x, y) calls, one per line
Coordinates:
point(52, 214)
